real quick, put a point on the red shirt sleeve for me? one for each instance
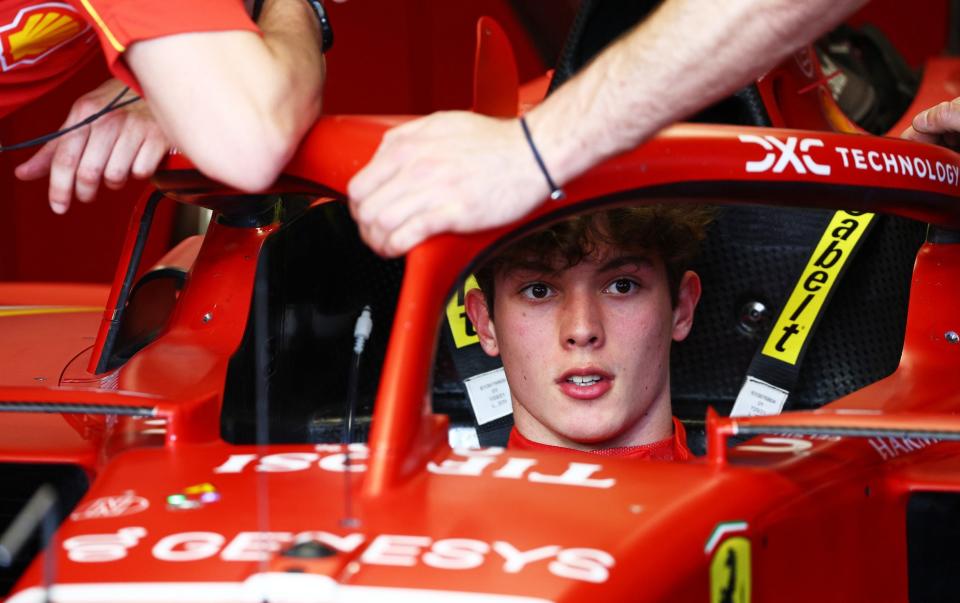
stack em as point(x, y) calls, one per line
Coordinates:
point(120, 23)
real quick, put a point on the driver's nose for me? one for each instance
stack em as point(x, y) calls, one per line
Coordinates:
point(581, 322)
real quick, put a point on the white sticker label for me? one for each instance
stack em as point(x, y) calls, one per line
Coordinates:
point(758, 398)
point(461, 438)
point(489, 395)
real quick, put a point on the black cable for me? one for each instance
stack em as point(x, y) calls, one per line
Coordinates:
point(353, 381)
point(349, 521)
point(361, 333)
point(556, 193)
point(111, 106)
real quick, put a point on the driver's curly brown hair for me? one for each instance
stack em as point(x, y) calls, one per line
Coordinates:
point(672, 232)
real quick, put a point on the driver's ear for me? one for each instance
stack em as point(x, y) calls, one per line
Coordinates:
point(476, 306)
point(687, 298)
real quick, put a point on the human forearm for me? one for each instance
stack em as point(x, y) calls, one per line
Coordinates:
point(292, 36)
point(234, 102)
point(688, 54)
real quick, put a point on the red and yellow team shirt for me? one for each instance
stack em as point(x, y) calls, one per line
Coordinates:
point(44, 43)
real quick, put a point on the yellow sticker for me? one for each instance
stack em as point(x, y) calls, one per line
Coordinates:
point(42, 32)
point(730, 572)
point(800, 312)
point(36, 310)
point(460, 326)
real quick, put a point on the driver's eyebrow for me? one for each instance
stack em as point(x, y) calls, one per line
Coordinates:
point(533, 266)
point(640, 261)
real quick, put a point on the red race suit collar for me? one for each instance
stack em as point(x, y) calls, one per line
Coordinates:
point(673, 448)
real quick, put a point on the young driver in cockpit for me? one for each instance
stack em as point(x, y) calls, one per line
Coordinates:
point(583, 315)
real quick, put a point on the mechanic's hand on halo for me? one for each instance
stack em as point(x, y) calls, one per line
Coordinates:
point(123, 142)
point(939, 124)
point(450, 171)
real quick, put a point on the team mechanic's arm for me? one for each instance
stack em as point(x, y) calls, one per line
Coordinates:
point(236, 103)
point(462, 172)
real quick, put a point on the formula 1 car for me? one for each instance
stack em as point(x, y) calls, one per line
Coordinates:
point(230, 434)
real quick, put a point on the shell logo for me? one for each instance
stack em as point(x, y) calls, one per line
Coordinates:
point(37, 31)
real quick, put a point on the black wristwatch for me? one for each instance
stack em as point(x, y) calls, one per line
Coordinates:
point(326, 31)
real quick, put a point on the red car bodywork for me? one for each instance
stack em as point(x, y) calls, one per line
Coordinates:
point(801, 513)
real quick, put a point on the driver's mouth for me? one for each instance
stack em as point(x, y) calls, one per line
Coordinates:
point(585, 384)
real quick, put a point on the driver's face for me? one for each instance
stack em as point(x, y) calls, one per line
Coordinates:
point(586, 350)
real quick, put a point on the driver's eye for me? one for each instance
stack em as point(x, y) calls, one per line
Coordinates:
point(536, 291)
point(623, 285)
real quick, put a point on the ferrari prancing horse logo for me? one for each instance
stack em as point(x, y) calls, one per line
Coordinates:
point(730, 572)
point(37, 31)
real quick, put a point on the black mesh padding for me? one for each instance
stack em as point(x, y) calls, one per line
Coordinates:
point(756, 254)
point(319, 275)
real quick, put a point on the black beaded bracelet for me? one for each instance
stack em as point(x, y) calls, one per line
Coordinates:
point(556, 193)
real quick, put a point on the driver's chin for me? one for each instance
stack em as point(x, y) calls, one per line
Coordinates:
point(591, 431)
